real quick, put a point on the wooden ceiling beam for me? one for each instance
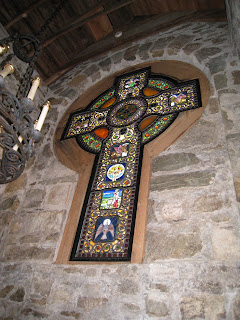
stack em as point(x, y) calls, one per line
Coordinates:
point(76, 23)
point(165, 22)
point(24, 13)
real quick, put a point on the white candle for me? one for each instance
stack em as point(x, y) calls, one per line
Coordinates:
point(35, 84)
point(7, 69)
point(4, 49)
point(20, 139)
point(39, 124)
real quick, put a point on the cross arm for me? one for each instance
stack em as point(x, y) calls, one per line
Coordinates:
point(183, 97)
point(84, 122)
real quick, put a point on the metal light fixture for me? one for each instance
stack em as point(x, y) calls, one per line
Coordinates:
point(18, 132)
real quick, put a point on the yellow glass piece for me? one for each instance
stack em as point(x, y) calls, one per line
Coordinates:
point(150, 92)
point(108, 103)
point(102, 132)
point(146, 122)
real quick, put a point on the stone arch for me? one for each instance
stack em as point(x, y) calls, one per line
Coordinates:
point(71, 155)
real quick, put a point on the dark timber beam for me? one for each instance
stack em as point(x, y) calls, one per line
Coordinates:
point(24, 13)
point(76, 23)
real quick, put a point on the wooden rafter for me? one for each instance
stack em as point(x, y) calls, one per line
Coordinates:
point(24, 13)
point(89, 16)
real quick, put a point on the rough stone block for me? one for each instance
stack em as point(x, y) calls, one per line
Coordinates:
point(189, 180)
point(236, 307)
point(180, 41)
point(191, 47)
point(225, 244)
point(220, 81)
point(128, 286)
point(91, 70)
point(210, 307)
point(59, 194)
point(162, 43)
point(21, 253)
point(105, 65)
point(42, 283)
point(236, 77)
point(11, 203)
point(209, 203)
point(143, 51)
point(78, 80)
point(5, 291)
point(18, 184)
point(157, 53)
point(130, 53)
point(88, 304)
point(192, 307)
point(68, 93)
point(174, 161)
point(156, 308)
point(60, 296)
point(37, 226)
point(161, 246)
point(34, 313)
point(19, 295)
point(213, 106)
point(217, 64)
point(205, 53)
point(234, 154)
point(201, 134)
point(34, 198)
point(71, 314)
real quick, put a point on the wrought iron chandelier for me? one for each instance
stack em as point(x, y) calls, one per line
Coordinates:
point(18, 131)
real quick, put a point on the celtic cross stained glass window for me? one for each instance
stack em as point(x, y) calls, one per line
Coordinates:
point(116, 126)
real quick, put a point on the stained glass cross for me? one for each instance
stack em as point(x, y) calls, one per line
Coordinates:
point(115, 126)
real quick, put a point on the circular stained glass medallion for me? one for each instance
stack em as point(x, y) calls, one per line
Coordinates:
point(115, 171)
point(127, 112)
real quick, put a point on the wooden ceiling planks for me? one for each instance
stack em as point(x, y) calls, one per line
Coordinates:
point(100, 26)
point(150, 7)
point(86, 28)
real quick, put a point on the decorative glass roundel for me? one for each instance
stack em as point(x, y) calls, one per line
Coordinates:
point(115, 126)
point(127, 112)
point(115, 172)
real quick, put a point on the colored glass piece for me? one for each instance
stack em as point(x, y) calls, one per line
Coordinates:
point(102, 132)
point(111, 199)
point(150, 92)
point(146, 122)
point(108, 103)
point(102, 99)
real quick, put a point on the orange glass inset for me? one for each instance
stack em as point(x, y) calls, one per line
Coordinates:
point(108, 103)
point(102, 132)
point(150, 92)
point(146, 122)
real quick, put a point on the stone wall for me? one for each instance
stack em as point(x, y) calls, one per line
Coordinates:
point(191, 267)
point(233, 15)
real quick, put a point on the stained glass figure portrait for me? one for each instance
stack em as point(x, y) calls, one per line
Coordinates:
point(111, 199)
point(118, 151)
point(115, 172)
point(105, 229)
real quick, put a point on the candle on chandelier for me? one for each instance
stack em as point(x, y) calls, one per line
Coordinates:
point(3, 49)
point(20, 139)
point(38, 125)
point(35, 84)
point(7, 69)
